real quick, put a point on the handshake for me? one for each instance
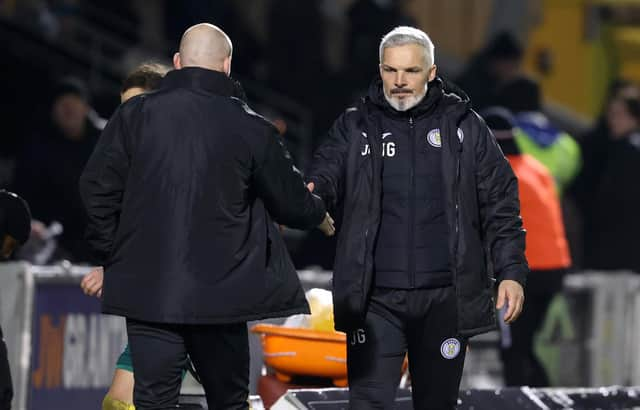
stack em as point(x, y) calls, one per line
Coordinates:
point(327, 225)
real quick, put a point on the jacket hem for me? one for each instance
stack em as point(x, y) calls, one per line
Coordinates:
point(399, 280)
point(213, 320)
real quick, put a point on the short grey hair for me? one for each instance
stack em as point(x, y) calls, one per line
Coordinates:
point(403, 35)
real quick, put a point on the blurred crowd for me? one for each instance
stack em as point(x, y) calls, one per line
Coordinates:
point(321, 54)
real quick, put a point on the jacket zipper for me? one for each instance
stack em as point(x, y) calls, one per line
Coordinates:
point(457, 210)
point(412, 207)
point(454, 268)
point(373, 156)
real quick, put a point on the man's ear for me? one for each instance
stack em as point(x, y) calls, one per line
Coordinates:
point(177, 64)
point(226, 66)
point(432, 72)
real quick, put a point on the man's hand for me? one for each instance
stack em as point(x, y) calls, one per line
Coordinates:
point(512, 293)
point(327, 225)
point(92, 282)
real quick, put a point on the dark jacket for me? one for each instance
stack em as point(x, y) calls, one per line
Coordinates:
point(180, 192)
point(412, 244)
point(612, 221)
point(480, 197)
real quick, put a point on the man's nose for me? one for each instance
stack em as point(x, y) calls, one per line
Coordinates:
point(400, 80)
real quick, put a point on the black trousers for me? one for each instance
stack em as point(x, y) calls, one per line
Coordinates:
point(219, 353)
point(521, 366)
point(420, 321)
point(6, 387)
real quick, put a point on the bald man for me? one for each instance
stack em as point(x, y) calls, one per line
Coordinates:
point(183, 192)
point(205, 45)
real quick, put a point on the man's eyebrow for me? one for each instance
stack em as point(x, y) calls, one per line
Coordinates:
point(409, 69)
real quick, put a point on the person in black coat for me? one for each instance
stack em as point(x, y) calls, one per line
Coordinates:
point(428, 202)
point(611, 219)
point(497, 64)
point(15, 227)
point(182, 193)
point(51, 163)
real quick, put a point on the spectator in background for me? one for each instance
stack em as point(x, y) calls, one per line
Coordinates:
point(144, 78)
point(15, 225)
point(536, 135)
point(612, 221)
point(51, 164)
point(498, 63)
point(547, 252)
point(593, 145)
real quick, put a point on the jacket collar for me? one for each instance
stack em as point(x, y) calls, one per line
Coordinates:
point(442, 97)
point(214, 82)
point(426, 105)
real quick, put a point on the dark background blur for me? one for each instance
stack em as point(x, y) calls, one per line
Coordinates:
point(301, 64)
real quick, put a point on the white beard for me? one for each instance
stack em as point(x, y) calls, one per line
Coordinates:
point(405, 103)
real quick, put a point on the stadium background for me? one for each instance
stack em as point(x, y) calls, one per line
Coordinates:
point(301, 63)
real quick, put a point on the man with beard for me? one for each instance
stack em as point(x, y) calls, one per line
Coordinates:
point(429, 202)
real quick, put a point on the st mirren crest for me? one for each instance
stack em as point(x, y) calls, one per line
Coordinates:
point(433, 138)
point(450, 348)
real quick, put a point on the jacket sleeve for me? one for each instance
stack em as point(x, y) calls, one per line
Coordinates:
point(280, 185)
point(102, 186)
point(328, 165)
point(500, 209)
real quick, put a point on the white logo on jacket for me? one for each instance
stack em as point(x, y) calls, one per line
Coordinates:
point(388, 148)
point(357, 336)
point(435, 139)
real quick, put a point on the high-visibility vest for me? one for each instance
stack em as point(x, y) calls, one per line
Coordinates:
point(563, 158)
point(546, 241)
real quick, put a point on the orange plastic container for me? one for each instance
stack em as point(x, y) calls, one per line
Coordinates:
point(304, 352)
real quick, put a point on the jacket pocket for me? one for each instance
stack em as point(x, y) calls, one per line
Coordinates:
point(276, 257)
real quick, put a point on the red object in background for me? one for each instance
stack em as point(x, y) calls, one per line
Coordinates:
point(546, 240)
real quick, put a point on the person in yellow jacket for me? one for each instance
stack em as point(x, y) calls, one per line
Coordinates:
point(547, 252)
